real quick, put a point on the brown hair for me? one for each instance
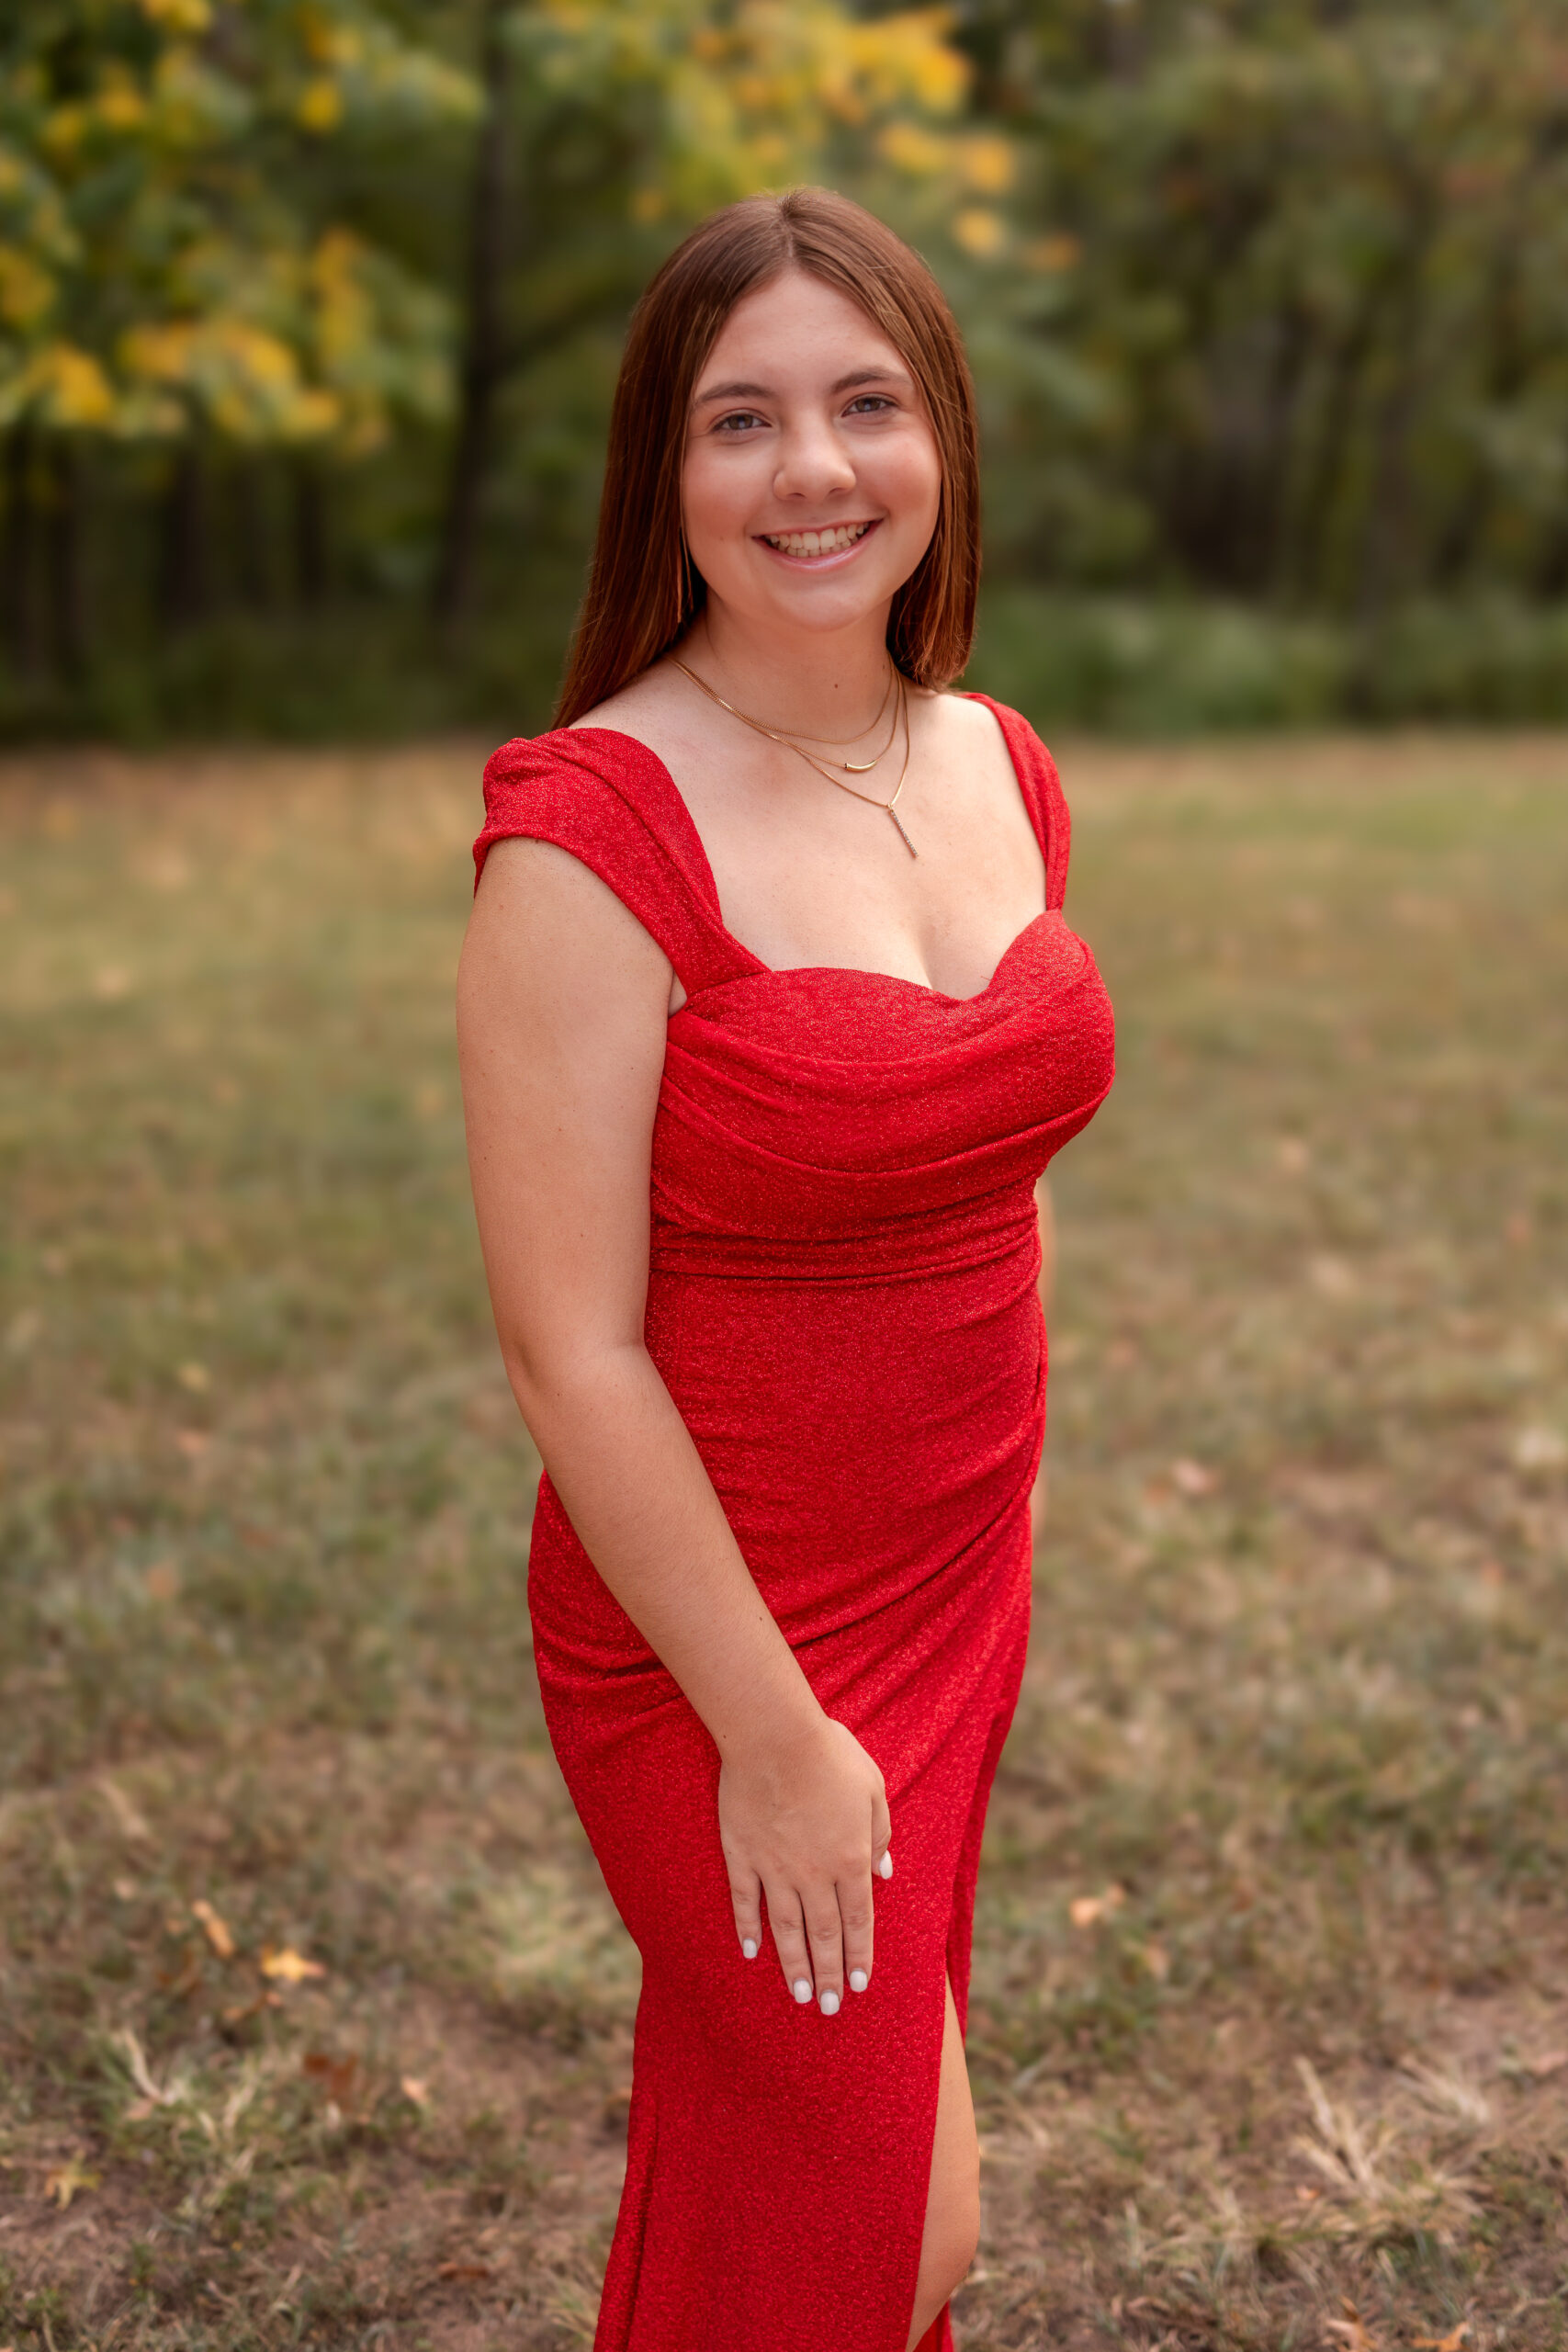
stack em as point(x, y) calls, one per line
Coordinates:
point(643, 589)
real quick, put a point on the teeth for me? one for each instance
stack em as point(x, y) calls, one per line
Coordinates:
point(816, 542)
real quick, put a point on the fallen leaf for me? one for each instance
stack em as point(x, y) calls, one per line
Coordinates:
point(335, 2075)
point(1352, 2328)
point(466, 2270)
point(1450, 2343)
point(243, 2010)
point(1541, 2068)
point(162, 1582)
point(194, 1376)
point(1087, 1910)
point(68, 2180)
point(288, 1967)
point(1157, 1960)
point(130, 1823)
point(416, 2092)
point(1191, 1479)
point(214, 1929)
point(192, 1444)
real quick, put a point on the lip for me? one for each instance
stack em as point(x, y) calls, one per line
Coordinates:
point(839, 557)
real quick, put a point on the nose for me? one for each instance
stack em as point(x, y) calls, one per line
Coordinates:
point(813, 461)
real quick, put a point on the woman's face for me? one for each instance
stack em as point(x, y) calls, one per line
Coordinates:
point(812, 476)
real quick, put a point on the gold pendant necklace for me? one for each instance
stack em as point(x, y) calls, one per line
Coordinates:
point(785, 737)
point(900, 716)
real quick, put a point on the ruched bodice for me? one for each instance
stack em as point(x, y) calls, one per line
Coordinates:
point(842, 1304)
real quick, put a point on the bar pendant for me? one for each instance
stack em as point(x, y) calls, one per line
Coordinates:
point(903, 836)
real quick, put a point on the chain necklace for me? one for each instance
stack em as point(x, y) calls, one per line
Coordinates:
point(900, 716)
point(790, 738)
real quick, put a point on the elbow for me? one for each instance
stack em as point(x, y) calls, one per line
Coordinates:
point(558, 1384)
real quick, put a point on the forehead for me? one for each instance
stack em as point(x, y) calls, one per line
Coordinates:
point(794, 328)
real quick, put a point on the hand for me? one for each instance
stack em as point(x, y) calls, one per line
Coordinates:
point(806, 1826)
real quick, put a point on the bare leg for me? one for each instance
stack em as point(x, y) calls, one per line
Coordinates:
point(953, 2201)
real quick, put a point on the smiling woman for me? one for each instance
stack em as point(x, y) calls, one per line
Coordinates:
point(759, 1226)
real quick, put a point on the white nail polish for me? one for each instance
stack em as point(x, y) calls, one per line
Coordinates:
point(802, 1988)
point(829, 2005)
point(749, 1947)
point(859, 1980)
point(884, 1867)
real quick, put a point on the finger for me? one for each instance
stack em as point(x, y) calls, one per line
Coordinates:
point(855, 1916)
point(881, 1833)
point(745, 1901)
point(825, 1933)
point(789, 1942)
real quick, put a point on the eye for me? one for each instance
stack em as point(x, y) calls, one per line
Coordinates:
point(741, 420)
point(868, 405)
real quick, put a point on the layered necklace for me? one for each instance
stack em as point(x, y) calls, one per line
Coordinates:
point(896, 691)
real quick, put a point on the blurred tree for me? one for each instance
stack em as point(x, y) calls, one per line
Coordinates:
point(612, 125)
point(165, 280)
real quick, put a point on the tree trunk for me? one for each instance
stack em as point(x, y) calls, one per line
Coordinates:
point(310, 533)
point(183, 564)
point(484, 354)
point(67, 606)
point(23, 616)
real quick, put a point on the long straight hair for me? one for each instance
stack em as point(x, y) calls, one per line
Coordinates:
point(643, 590)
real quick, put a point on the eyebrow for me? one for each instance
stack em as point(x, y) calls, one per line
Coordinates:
point(766, 392)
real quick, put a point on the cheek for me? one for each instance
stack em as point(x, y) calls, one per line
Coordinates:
point(715, 498)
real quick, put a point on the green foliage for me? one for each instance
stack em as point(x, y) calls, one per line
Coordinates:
point(310, 312)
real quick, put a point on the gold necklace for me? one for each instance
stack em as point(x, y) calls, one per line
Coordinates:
point(791, 736)
point(901, 714)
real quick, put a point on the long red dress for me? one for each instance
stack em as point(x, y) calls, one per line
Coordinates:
point(842, 1303)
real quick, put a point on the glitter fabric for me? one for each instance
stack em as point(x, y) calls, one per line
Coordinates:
point(842, 1303)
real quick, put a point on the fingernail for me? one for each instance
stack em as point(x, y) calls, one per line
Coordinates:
point(802, 1988)
point(829, 2005)
point(859, 1980)
point(749, 1946)
point(884, 1867)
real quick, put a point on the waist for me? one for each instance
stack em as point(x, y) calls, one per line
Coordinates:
point(851, 1246)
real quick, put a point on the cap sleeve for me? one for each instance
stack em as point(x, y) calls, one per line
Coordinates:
point(1041, 789)
point(611, 802)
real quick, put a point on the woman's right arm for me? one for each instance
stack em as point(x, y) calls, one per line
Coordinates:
point(562, 1003)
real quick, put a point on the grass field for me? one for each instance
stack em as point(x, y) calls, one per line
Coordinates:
point(314, 2022)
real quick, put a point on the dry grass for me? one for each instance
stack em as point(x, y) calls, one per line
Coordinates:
point(1270, 2030)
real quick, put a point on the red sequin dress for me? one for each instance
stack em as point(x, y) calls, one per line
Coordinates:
point(842, 1304)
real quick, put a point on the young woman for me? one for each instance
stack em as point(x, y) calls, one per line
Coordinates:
point(770, 1021)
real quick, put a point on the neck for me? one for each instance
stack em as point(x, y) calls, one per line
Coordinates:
point(824, 685)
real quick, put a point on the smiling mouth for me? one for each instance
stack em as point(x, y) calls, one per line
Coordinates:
point(833, 541)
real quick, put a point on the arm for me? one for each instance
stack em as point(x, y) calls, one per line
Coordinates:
point(562, 1002)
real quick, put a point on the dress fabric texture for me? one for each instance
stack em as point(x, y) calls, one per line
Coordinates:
point(842, 1303)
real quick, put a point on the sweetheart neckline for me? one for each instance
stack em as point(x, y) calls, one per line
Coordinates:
point(774, 971)
point(862, 972)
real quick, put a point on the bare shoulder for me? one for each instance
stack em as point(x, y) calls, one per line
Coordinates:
point(643, 708)
point(963, 729)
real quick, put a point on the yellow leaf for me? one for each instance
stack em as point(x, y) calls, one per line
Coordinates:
point(319, 106)
point(214, 1928)
point(69, 386)
point(67, 2180)
point(179, 16)
point(196, 1377)
point(980, 232)
point(288, 1967)
point(987, 164)
point(26, 290)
